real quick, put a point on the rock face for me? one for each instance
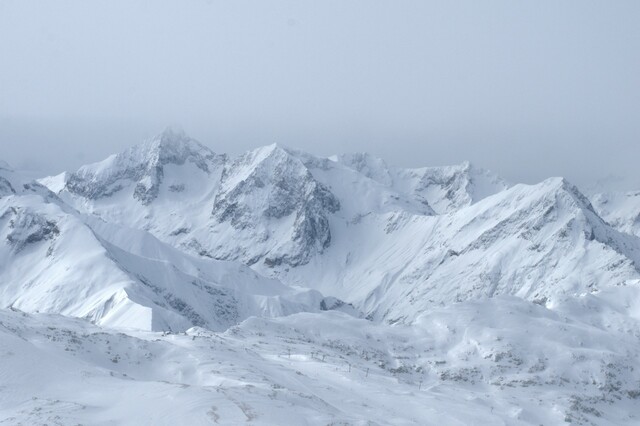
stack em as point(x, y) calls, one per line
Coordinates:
point(271, 186)
point(28, 227)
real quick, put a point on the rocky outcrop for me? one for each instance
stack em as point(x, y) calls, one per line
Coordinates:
point(28, 227)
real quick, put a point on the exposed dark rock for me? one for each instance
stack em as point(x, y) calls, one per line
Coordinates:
point(277, 187)
point(29, 228)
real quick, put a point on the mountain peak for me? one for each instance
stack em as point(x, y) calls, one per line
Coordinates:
point(271, 185)
point(143, 164)
point(263, 160)
point(271, 150)
point(173, 139)
point(172, 146)
point(578, 196)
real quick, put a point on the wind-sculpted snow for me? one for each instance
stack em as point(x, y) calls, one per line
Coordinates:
point(493, 361)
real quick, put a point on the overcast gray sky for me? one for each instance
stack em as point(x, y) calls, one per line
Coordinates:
point(529, 89)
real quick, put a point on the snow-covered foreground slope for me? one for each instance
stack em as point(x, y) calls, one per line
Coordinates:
point(493, 361)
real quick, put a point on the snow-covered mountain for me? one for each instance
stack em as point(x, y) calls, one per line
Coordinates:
point(196, 200)
point(391, 241)
point(146, 167)
point(53, 259)
point(313, 290)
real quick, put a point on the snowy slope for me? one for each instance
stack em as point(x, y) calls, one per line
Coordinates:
point(445, 189)
point(537, 242)
point(502, 361)
point(620, 209)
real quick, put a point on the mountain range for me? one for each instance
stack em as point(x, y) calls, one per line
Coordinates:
point(170, 236)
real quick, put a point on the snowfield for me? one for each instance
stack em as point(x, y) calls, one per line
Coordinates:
point(169, 284)
point(495, 361)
